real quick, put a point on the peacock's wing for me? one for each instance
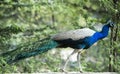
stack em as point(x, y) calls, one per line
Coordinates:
point(74, 34)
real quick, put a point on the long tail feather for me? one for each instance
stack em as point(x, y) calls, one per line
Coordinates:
point(40, 47)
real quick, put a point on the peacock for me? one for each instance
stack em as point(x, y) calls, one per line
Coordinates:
point(79, 40)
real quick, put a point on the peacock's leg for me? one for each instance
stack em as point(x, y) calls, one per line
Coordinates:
point(78, 60)
point(66, 62)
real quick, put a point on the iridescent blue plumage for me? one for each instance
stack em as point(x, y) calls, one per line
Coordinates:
point(89, 41)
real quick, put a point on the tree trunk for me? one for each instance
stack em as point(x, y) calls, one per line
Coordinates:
point(114, 38)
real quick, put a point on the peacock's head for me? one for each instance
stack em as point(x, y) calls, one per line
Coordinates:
point(110, 23)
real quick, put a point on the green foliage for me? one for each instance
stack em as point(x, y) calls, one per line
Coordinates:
point(23, 22)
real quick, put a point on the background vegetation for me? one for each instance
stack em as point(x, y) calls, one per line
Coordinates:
point(23, 22)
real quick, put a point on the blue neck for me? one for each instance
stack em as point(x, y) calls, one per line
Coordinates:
point(105, 31)
point(97, 36)
point(102, 34)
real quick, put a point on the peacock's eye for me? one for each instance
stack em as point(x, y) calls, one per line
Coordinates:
point(112, 24)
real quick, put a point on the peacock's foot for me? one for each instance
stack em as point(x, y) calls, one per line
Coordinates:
point(63, 70)
point(81, 71)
